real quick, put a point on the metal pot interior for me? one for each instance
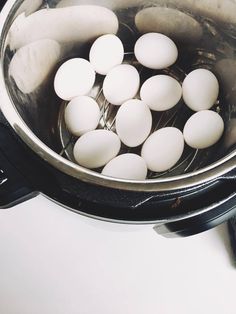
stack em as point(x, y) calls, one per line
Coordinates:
point(205, 38)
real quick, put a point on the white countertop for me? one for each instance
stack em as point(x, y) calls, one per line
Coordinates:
point(52, 261)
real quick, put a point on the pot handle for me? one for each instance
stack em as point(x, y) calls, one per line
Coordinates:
point(211, 217)
point(14, 187)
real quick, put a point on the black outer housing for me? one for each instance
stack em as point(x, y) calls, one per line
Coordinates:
point(23, 175)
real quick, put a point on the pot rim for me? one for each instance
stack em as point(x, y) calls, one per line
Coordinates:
point(204, 175)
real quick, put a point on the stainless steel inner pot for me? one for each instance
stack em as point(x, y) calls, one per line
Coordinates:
point(205, 33)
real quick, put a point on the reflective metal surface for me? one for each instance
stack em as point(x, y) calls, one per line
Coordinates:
point(204, 32)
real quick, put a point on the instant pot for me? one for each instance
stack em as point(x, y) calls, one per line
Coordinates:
point(35, 147)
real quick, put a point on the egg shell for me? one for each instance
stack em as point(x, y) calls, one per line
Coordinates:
point(203, 129)
point(200, 90)
point(75, 77)
point(177, 25)
point(121, 84)
point(32, 64)
point(226, 73)
point(96, 148)
point(82, 115)
point(161, 92)
point(218, 10)
point(29, 6)
point(106, 53)
point(113, 5)
point(163, 149)
point(69, 25)
point(127, 166)
point(156, 51)
point(133, 122)
point(230, 134)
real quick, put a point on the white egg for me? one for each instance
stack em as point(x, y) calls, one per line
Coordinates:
point(96, 148)
point(127, 166)
point(156, 51)
point(203, 129)
point(70, 25)
point(163, 149)
point(161, 92)
point(121, 84)
point(174, 23)
point(29, 6)
point(200, 90)
point(133, 122)
point(113, 5)
point(82, 115)
point(106, 53)
point(32, 64)
point(230, 134)
point(75, 77)
point(226, 73)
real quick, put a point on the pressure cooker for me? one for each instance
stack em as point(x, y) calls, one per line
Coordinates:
point(35, 146)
